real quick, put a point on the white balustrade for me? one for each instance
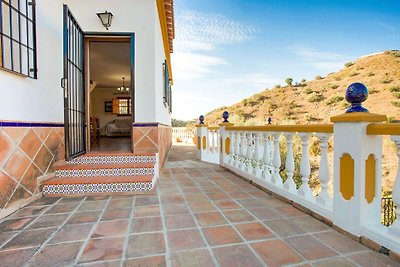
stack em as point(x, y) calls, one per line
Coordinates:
point(257, 154)
point(289, 163)
point(396, 189)
point(243, 150)
point(324, 172)
point(305, 169)
point(182, 134)
point(276, 160)
point(266, 174)
point(249, 152)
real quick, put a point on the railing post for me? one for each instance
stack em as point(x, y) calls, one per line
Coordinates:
point(257, 154)
point(324, 174)
point(225, 140)
point(266, 175)
point(305, 169)
point(289, 164)
point(202, 136)
point(276, 160)
point(357, 159)
point(249, 153)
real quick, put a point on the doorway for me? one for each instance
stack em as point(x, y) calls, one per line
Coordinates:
point(110, 101)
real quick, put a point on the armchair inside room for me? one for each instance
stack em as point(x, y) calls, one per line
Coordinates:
point(119, 127)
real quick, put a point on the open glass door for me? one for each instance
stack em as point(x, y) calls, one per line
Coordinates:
point(74, 87)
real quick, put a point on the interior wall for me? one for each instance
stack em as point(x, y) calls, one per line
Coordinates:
point(97, 99)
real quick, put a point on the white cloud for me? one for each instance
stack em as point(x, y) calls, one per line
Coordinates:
point(386, 26)
point(319, 59)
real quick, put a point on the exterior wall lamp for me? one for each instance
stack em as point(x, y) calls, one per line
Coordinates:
point(106, 18)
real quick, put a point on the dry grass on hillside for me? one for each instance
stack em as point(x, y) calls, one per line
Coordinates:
point(314, 102)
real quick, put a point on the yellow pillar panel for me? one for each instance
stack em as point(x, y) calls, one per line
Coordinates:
point(204, 143)
point(370, 178)
point(347, 176)
point(198, 142)
point(227, 145)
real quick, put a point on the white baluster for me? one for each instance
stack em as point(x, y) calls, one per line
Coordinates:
point(249, 153)
point(214, 140)
point(237, 149)
point(276, 160)
point(218, 141)
point(266, 175)
point(305, 169)
point(324, 173)
point(208, 141)
point(289, 163)
point(257, 154)
point(231, 147)
point(243, 149)
point(395, 227)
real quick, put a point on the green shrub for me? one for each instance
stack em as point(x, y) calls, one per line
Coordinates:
point(337, 78)
point(354, 74)
point(387, 80)
point(315, 97)
point(370, 74)
point(396, 103)
point(334, 86)
point(349, 64)
point(289, 81)
point(278, 86)
point(334, 99)
point(245, 102)
point(318, 77)
point(394, 89)
point(308, 91)
point(345, 104)
point(372, 91)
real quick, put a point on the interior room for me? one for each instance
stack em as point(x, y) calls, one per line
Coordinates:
point(110, 96)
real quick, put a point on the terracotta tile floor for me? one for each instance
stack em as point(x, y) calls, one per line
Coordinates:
point(199, 215)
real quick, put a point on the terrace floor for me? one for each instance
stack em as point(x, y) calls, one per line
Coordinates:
point(199, 215)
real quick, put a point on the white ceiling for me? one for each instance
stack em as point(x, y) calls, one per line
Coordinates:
point(109, 62)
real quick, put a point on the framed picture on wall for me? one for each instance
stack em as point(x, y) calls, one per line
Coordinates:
point(108, 107)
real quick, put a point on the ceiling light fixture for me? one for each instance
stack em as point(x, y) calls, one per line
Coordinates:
point(123, 89)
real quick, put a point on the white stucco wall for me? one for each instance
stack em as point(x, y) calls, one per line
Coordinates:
point(41, 100)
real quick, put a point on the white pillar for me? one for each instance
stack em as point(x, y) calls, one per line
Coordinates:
point(202, 131)
point(352, 148)
point(276, 160)
point(324, 174)
point(305, 169)
point(289, 164)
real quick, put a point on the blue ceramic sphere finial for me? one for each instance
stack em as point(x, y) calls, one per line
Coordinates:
point(201, 119)
point(356, 93)
point(225, 115)
point(269, 120)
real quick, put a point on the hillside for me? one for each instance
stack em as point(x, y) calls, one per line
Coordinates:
point(317, 100)
point(313, 102)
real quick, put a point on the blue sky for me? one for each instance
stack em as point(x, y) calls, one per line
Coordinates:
point(226, 50)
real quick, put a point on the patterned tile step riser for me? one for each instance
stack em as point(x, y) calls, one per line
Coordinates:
point(104, 172)
point(113, 159)
point(71, 189)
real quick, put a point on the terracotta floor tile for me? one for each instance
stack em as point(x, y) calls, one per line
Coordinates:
point(32, 238)
point(221, 235)
point(28, 212)
point(236, 216)
point(145, 245)
point(193, 258)
point(289, 211)
point(146, 201)
point(310, 247)
point(48, 221)
point(72, 232)
point(311, 225)
point(15, 224)
point(254, 231)
point(170, 209)
point(202, 206)
point(120, 203)
point(62, 208)
point(218, 196)
point(340, 262)
point(276, 253)
point(103, 249)
point(265, 213)
point(46, 201)
point(236, 256)
point(146, 224)
point(250, 203)
point(373, 259)
point(16, 257)
point(239, 195)
point(84, 217)
point(180, 221)
point(70, 200)
point(210, 218)
point(92, 205)
point(284, 227)
point(146, 211)
point(226, 204)
point(110, 228)
point(172, 199)
point(155, 261)
point(5, 236)
point(116, 214)
point(196, 197)
point(272, 202)
point(57, 255)
point(184, 239)
point(191, 190)
point(340, 242)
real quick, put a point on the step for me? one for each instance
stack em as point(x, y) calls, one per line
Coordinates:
point(70, 186)
point(113, 157)
point(92, 170)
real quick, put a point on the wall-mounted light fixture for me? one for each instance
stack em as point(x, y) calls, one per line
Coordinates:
point(106, 18)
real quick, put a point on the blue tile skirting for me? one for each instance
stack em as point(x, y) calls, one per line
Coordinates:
point(29, 124)
point(151, 124)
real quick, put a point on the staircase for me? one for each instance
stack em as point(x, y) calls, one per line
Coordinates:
point(103, 173)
